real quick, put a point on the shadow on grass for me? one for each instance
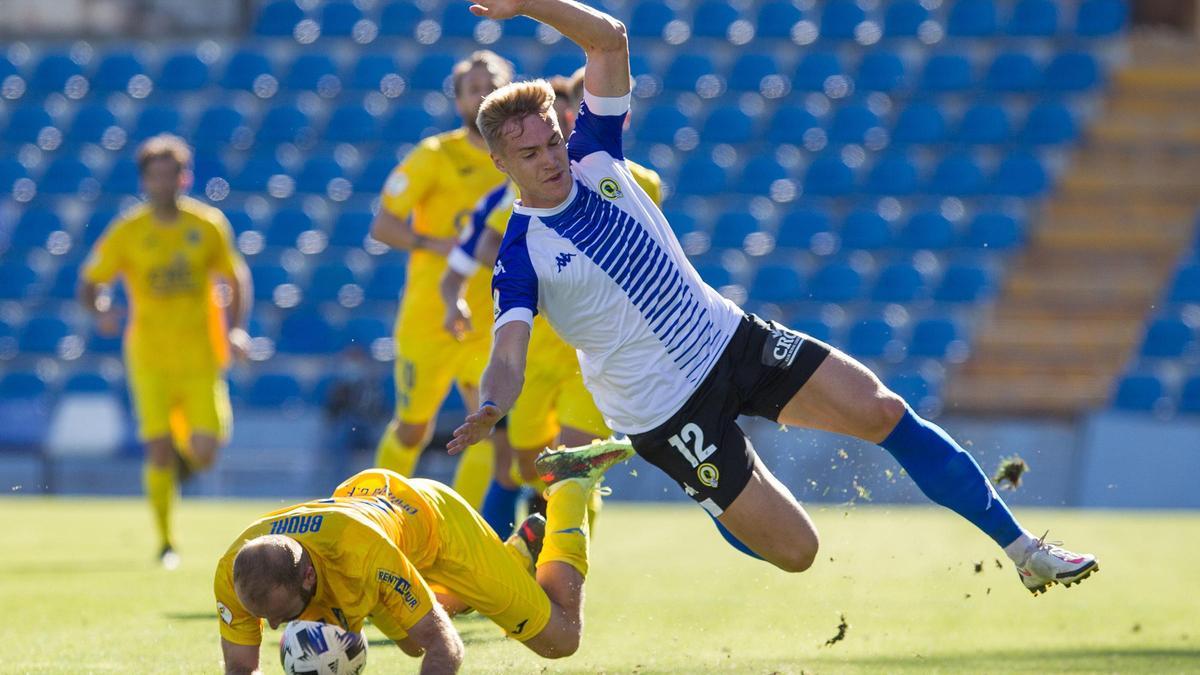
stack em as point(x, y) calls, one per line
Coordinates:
point(189, 616)
point(1079, 659)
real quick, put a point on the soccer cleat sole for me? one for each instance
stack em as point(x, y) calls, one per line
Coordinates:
point(1078, 578)
point(554, 466)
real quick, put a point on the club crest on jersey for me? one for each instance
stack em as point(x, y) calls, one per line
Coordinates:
point(708, 474)
point(611, 189)
point(224, 612)
point(563, 260)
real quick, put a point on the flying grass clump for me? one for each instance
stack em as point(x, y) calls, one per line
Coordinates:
point(1011, 470)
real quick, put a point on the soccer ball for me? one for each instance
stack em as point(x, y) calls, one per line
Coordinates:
point(316, 648)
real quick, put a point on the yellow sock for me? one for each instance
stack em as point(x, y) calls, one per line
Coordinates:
point(474, 473)
point(566, 526)
point(391, 454)
point(160, 490)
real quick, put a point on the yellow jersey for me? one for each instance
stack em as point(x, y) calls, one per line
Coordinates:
point(438, 184)
point(175, 324)
point(366, 551)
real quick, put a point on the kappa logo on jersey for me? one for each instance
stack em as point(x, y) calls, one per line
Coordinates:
point(563, 260)
point(781, 349)
point(498, 269)
point(496, 303)
point(611, 189)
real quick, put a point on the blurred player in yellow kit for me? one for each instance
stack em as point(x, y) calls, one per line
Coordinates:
point(554, 406)
point(376, 547)
point(178, 341)
point(425, 203)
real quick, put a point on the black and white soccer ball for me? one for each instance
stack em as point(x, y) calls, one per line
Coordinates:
point(316, 648)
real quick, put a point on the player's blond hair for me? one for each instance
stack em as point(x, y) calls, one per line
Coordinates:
point(500, 68)
point(513, 103)
point(164, 146)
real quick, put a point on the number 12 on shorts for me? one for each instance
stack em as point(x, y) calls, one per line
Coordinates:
point(692, 433)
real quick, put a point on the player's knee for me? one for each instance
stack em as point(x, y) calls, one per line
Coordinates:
point(798, 558)
point(410, 434)
point(559, 647)
point(886, 410)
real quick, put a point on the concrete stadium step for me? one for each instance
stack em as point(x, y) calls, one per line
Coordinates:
point(1029, 394)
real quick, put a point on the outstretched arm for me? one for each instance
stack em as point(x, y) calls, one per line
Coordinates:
point(601, 36)
point(500, 387)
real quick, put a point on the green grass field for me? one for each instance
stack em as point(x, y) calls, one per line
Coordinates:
point(81, 593)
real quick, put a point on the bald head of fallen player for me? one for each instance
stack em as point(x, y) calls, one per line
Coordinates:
point(274, 578)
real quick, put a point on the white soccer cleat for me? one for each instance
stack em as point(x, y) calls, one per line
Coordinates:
point(1048, 563)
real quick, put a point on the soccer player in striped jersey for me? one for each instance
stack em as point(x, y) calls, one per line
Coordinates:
point(669, 361)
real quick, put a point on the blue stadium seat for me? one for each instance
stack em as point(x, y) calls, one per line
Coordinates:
point(1167, 338)
point(732, 228)
point(920, 122)
point(898, 282)
point(338, 18)
point(851, 123)
point(1020, 175)
point(928, 230)
point(41, 334)
point(994, 231)
point(399, 19)
point(828, 176)
point(759, 173)
point(813, 327)
point(798, 227)
point(660, 123)
point(984, 124)
point(866, 230)
point(351, 123)
point(972, 18)
point(836, 282)
point(893, 174)
point(712, 19)
point(272, 390)
point(22, 385)
point(727, 124)
point(458, 21)
point(963, 283)
point(714, 274)
point(1186, 286)
point(87, 382)
point(957, 175)
point(34, 227)
point(1049, 123)
point(839, 18)
point(15, 279)
point(286, 226)
point(521, 27)
point(777, 283)
point(1033, 18)
point(947, 72)
point(1101, 18)
point(207, 165)
point(363, 330)
point(115, 71)
point(103, 344)
point(387, 281)
point(255, 172)
point(1189, 398)
point(11, 171)
point(1138, 393)
point(7, 69)
point(913, 387)
point(306, 331)
point(307, 70)
point(881, 70)
point(869, 338)
point(65, 281)
point(563, 62)
point(26, 122)
point(183, 71)
point(814, 68)
point(789, 124)
point(932, 337)
point(407, 124)
point(244, 67)
point(156, 119)
point(240, 221)
point(65, 175)
point(278, 18)
point(350, 228)
point(266, 277)
point(372, 177)
point(903, 18)
point(686, 69)
point(649, 18)
point(432, 71)
point(699, 175)
point(52, 72)
point(1072, 72)
point(681, 221)
point(776, 18)
point(284, 124)
point(123, 178)
point(95, 225)
point(749, 70)
point(327, 279)
point(370, 69)
point(217, 125)
point(317, 172)
point(1013, 72)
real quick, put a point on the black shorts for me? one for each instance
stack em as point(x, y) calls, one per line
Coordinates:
point(701, 446)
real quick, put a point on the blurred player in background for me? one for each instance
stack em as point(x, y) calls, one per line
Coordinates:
point(178, 341)
point(378, 546)
point(426, 202)
point(554, 406)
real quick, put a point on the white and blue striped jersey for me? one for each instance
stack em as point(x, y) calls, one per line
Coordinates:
point(611, 278)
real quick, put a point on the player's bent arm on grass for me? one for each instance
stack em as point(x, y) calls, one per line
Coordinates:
point(240, 659)
point(435, 637)
point(500, 386)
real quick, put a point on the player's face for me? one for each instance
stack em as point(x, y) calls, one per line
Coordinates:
point(472, 89)
point(162, 180)
point(535, 157)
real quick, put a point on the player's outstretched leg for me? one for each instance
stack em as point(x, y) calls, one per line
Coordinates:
point(1047, 564)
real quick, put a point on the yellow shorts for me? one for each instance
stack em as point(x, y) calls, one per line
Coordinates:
point(549, 401)
point(474, 565)
point(200, 401)
point(427, 366)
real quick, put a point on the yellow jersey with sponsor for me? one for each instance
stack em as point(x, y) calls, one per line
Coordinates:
point(175, 325)
point(438, 184)
point(366, 551)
